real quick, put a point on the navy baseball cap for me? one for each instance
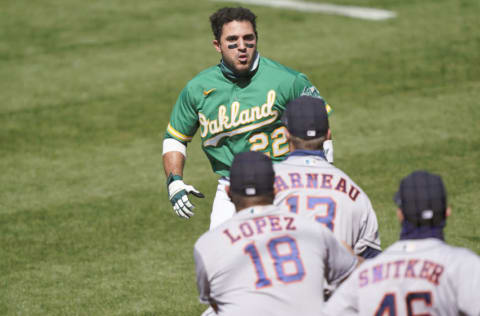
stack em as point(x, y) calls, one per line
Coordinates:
point(306, 117)
point(251, 174)
point(422, 198)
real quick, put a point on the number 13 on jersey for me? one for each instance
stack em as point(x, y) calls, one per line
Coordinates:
point(324, 207)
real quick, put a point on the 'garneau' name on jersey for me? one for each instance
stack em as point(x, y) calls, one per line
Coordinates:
point(297, 180)
point(239, 118)
point(259, 225)
point(410, 269)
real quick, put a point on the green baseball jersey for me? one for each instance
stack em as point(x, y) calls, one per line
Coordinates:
point(238, 115)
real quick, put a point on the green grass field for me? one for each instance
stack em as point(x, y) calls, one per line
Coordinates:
point(86, 91)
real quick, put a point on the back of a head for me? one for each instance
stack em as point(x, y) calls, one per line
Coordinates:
point(423, 199)
point(251, 176)
point(228, 14)
point(306, 119)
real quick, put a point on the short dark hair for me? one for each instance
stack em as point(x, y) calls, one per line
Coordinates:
point(227, 15)
point(308, 144)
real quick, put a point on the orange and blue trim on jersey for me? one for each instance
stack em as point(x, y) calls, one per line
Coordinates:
point(177, 135)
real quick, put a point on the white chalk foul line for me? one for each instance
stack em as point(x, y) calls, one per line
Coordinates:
point(350, 11)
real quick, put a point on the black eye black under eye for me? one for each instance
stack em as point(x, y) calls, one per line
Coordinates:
point(248, 45)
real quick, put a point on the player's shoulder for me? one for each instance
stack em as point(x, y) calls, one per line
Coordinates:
point(202, 240)
point(207, 239)
point(205, 76)
point(295, 222)
point(315, 165)
point(307, 225)
point(432, 247)
point(461, 254)
point(276, 67)
point(340, 173)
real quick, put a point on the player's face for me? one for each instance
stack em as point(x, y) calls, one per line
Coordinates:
point(237, 45)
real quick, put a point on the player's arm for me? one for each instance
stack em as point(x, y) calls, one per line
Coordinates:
point(368, 244)
point(340, 262)
point(344, 300)
point(360, 258)
point(180, 130)
point(466, 275)
point(174, 156)
point(203, 285)
point(369, 253)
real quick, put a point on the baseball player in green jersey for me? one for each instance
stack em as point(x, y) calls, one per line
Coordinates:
point(236, 106)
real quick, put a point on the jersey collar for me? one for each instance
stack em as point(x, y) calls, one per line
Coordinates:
point(255, 211)
point(413, 245)
point(303, 153)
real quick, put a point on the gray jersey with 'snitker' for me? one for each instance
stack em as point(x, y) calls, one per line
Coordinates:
point(412, 277)
point(269, 263)
point(310, 186)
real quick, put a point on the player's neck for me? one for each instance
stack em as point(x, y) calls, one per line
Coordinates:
point(230, 73)
point(249, 202)
point(307, 152)
point(410, 231)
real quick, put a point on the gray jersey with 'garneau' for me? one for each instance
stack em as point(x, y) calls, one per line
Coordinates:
point(412, 277)
point(269, 263)
point(305, 183)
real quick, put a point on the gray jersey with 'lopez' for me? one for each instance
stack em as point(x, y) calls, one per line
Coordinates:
point(412, 277)
point(307, 184)
point(265, 262)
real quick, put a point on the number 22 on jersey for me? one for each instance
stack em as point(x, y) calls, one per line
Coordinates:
point(277, 139)
point(279, 258)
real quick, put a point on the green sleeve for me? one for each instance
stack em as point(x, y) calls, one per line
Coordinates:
point(184, 118)
point(303, 86)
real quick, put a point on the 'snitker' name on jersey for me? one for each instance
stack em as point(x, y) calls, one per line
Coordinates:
point(411, 268)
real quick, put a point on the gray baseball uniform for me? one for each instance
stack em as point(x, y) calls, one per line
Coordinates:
point(412, 277)
point(305, 183)
point(266, 262)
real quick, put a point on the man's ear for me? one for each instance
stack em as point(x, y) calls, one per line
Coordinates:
point(289, 138)
point(448, 212)
point(287, 135)
point(216, 44)
point(329, 134)
point(400, 215)
point(227, 189)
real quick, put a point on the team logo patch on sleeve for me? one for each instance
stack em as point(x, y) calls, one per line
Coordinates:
point(311, 91)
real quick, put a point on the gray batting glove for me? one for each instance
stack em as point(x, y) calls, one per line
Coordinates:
point(178, 195)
